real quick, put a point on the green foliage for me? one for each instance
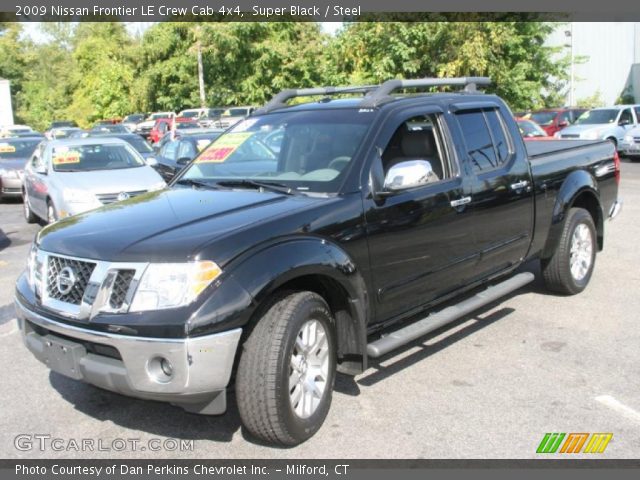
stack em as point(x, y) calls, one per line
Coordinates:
point(594, 101)
point(91, 71)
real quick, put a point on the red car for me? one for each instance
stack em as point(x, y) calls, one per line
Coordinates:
point(553, 120)
point(164, 125)
point(530, 130)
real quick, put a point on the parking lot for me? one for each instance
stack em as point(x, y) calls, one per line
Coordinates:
point(490, 386)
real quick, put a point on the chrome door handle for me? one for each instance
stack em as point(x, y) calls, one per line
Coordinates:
point(460, 201)
point(519, 185)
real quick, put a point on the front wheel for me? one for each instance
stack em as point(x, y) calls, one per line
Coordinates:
point(570, 268)
point(29, 216)
point(287, 370)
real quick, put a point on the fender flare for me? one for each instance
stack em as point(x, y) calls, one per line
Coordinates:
point(577, 184)
point(251, 278)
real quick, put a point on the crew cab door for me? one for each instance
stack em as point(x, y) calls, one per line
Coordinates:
point(420, 246)
point(501, 206)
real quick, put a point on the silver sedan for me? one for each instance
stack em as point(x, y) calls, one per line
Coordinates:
point(67, 177)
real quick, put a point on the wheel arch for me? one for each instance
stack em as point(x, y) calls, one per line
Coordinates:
point(579, 190)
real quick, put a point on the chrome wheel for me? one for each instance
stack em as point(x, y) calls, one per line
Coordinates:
point(581, 253)
point(309, 369)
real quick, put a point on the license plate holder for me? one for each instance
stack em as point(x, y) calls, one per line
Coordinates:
point(63, 356)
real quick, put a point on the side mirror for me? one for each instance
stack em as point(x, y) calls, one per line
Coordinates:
point(563, 124)
point(410, 174)
point(183, 161)
point(151, 161)
point(41, 169)
point(624, 122)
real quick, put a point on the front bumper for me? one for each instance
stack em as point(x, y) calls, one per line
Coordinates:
point(131, 365)
point(630, 150)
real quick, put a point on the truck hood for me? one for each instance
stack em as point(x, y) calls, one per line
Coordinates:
point(112, 181)
point(171, 225)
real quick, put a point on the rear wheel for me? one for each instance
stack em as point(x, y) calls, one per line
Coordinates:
point(570, 268)
point(29, 216)
point(287, 369)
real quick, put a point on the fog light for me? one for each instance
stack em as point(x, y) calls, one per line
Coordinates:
point(166, 367)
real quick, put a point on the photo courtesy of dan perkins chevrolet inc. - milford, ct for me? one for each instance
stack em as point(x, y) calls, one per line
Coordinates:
point(309, 239)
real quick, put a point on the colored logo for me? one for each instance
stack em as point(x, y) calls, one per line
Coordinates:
point(574, 442)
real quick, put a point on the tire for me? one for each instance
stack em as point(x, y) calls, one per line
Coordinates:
point(570, 268)
point(29, 216)
point(52, 215)
point(267, 405)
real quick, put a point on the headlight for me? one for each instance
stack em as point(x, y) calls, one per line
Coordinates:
point(592, 135)
point(628, 139)
point(34, 270)
point(78, 196)
point(170, 285)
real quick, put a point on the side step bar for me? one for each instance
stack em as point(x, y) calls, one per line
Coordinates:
point(436, 320)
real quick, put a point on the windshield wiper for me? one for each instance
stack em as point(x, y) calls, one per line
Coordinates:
point(195, 183)
point(270, 186)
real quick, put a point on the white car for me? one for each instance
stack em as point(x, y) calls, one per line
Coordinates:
point(144, 128)
point(630, 145)
point(72, 176)
point(233, 115)
point(610, 123)
point(11, 130)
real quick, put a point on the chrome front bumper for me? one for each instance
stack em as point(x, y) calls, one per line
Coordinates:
point(201, 365)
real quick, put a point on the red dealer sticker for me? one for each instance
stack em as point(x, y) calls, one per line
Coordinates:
point(222, 148)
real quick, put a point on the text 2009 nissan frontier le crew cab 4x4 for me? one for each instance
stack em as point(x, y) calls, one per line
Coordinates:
point(307, 239)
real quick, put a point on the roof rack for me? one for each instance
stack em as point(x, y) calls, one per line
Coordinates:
point(280, 99)
point(375, 94)
point(383, 93)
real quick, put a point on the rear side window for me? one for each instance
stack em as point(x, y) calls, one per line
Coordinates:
point(485, 138)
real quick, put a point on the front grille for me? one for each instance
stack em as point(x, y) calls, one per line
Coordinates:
point(120, 288)
point(82, 272)
point(107, 198)
point(570, 135)
point(636, 139)
point(11, 190)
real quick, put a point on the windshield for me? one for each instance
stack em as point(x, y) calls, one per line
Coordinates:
point(543, 118)
point(530, 129)
point(133, 118)
point(314, 148)
point(139, 143)
point(17, 148)
point(595, 117)
point(156, 116)
point(62, 124)
point(189, 113)
point(110, 128)
point(84, 158)
point(236, 112)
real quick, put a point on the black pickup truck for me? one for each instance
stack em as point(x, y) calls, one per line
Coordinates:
point(308, 239)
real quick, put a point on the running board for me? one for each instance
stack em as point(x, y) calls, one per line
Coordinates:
point(436, 320)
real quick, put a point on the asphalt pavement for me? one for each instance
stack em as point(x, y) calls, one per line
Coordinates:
point(490, 386)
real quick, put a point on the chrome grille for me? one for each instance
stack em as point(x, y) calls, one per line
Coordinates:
point(82, 271)
point(636, 139)
point(121, 288)
point(107, 198)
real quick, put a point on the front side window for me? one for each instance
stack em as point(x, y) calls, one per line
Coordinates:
point(485, 138)
point(311, 154)
point(84, 158)
point(626, 117)
point(418, 138)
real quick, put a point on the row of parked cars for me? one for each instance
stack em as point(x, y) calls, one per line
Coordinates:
point(620, 124)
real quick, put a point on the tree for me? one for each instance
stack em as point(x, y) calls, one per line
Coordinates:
point(523, 69)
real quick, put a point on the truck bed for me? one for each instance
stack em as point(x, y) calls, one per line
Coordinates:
point(541, 148)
